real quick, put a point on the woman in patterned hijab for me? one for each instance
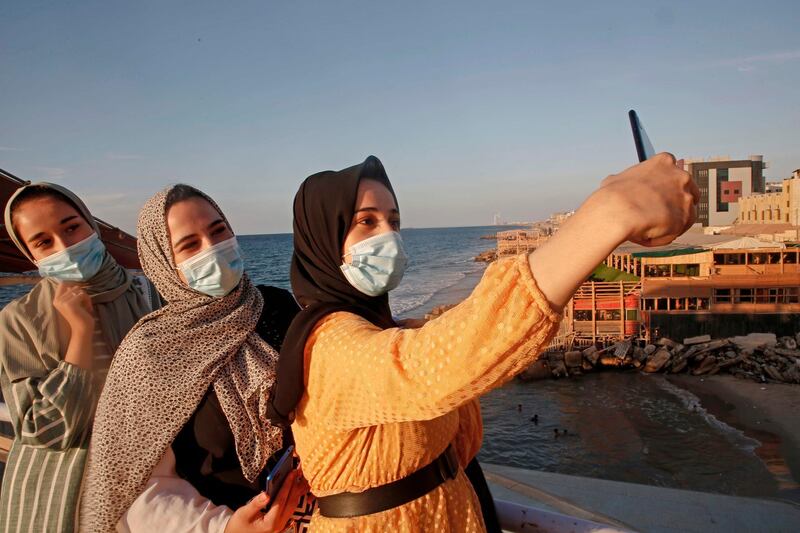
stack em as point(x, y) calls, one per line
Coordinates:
point(195, 352)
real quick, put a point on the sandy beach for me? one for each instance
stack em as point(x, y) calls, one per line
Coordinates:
point(769, 413)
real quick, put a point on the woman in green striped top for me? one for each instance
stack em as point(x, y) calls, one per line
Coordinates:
point(56, 345)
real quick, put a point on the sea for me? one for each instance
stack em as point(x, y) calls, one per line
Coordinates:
point(621, 426)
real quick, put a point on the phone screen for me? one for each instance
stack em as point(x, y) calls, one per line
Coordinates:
point(279, 472)
point(644, 148)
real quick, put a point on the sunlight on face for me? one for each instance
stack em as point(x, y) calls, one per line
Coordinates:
point(48, 225)
point(194, 225)
point(375, 213)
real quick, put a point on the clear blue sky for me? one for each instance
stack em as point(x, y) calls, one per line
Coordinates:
point(474, 107)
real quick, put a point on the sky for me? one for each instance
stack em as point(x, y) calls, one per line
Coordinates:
point(475, 108)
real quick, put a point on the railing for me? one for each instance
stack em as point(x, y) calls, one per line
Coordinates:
point(560, 342)
point(607, 289)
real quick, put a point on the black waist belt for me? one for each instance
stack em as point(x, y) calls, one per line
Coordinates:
point(394, 494)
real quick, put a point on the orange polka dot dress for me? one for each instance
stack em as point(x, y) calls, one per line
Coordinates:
point(381, 404)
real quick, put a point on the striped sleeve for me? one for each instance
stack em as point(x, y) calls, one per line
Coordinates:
point(53, 411)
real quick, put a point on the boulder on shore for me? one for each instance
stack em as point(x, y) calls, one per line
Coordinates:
point(697, 340)
point(540, 369)
point(755, 341)
point(657, 361)
point(760, 357)
point(573, 358)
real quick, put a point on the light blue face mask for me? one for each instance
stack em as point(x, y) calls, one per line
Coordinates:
point(215, 271)
point(376, 264)
point(79, 262)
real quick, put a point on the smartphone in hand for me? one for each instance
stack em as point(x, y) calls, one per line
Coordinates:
point(278, 474)
point(644, 148)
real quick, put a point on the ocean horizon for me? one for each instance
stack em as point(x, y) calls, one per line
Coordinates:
point(621, 426)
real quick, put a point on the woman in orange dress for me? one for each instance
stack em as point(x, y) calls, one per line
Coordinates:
point(386, 418)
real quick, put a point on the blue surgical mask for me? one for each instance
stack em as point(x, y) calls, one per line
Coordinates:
point(79, 262)
point(376, 264)
point(215, 271)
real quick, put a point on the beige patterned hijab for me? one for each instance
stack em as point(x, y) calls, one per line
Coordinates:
point(163, 369)
point(116, 302)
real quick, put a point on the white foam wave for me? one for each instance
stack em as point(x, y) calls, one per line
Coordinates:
point(692, 403)
point(414, 293)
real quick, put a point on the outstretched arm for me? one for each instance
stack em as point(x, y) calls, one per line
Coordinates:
point(651, 204)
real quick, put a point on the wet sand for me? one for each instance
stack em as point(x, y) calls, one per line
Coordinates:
point(769, 413)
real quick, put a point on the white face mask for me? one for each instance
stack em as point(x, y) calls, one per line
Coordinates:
point(215, 271)
point(79, 262)
point(376, 264)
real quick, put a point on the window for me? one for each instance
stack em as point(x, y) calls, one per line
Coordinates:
point(729, 259)
point(686, 270)
point(722, 295)
point(792, 295)
point(583, 315)
point(774, 258)
point(744, 296)
point(608, 314)
point(679, 304)
point(766, 296)
point(702, 304)
point(632, 314)
point(724, 192)
point(757, 259)
point(657, 271)
point(790, 258)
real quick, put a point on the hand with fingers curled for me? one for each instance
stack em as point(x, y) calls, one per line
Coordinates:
point(74, 304)
point(654, 201)
point(251, 518)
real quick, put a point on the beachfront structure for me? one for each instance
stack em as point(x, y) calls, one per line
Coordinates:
point(701, 284)
point(722, 182)
point(779, 205)
point(557, 219)
point(518, 241)
point(603, 311)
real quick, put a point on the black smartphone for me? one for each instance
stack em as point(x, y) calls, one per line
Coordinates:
point(278, 474)
point(644, 148)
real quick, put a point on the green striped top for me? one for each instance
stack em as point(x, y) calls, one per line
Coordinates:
point(52, 410)
point(52, 419)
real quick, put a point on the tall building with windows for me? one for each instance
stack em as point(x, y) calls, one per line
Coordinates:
point(722, 181)
point(781, 207)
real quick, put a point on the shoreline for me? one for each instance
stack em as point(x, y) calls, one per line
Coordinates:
point(452, 295)
point(767, 413)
